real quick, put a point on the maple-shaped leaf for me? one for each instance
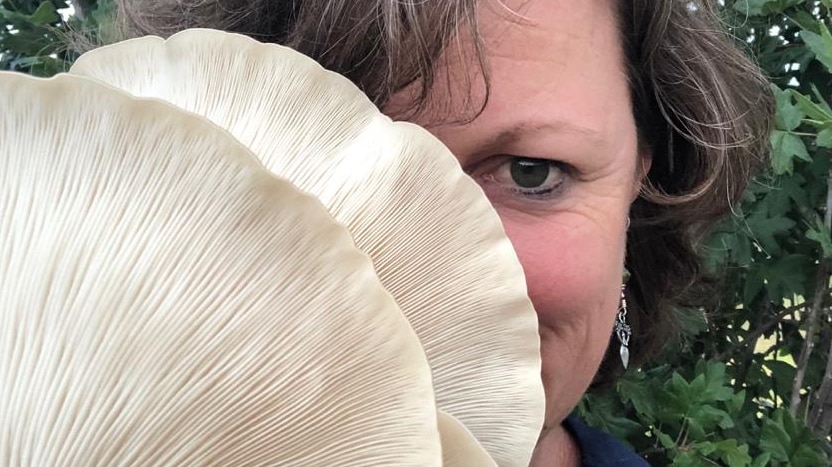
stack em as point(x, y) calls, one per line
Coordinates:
point(789, 115)
point(764, 229)
point(785, 146)
point(820, 44)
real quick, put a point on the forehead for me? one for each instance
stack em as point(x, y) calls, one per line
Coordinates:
point(541, 51)
point(555, 67)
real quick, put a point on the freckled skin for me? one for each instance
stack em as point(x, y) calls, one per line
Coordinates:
point(559, 75)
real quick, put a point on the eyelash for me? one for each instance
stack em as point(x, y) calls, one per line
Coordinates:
point(536, 194)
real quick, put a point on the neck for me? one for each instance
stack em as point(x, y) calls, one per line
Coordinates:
point(556, 447)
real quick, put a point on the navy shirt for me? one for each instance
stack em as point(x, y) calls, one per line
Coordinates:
point(598, 449)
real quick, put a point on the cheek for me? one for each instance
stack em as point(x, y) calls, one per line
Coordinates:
point(573, 269)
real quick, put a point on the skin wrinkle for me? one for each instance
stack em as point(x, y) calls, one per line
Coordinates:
point(528, 129)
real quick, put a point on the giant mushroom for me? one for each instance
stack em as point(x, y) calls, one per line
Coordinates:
point(165, 300)
point(435, 242)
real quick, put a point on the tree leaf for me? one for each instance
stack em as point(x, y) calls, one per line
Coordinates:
point(753, 285)
point(709, 417)
point(605, 413)
point(820, 233)
point(805, 456)
point(704, 448)
point(809, 108)
point(782, 374)
point(737, 402)
point(785, 147)
point(819, 96)
point(787, 276)
point(774, 440)
point(788, 115)
point(733, 453)
point(45, 14)
point(764, 228)
point(824, 138)
point(762, 460)
point(681, 389)
point(690, 458)
point(638, 394)
point(820, 44)
point(804, 19)
point(665, 440)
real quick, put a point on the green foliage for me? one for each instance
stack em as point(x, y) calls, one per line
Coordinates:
point(748, 384)
point(752, 388)
point(699, 418)
point(33, 38)
point(29, 41)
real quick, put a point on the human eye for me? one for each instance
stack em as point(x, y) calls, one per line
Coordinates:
point(525, 177)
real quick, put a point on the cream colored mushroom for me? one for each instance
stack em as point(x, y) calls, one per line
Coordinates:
point(435, 241)
point(165, 300)
point(459, 447)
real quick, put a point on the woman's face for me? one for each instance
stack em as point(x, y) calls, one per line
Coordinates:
point(555, 150)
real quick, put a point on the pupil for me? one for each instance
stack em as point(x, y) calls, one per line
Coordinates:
point(529, 173)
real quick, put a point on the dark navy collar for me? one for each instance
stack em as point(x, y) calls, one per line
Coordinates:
point(599, 449)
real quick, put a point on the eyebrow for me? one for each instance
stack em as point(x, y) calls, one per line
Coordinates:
point(508, 135)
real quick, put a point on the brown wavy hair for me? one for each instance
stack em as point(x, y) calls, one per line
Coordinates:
point(702, 108)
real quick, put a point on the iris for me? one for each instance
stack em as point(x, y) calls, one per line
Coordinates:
point(530, 173)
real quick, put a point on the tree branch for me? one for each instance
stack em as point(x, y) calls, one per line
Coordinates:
point(820, 417)
point(821, 413)
point(760, 330)
point(821, 286)
point(808, 344)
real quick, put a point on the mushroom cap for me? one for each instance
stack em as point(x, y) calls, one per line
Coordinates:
point(459, 447)
point(436, 243)
point(165, 300)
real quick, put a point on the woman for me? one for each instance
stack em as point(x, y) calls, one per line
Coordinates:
point(607, 134)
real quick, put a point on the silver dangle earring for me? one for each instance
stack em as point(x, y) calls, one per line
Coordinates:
point(623, 331)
